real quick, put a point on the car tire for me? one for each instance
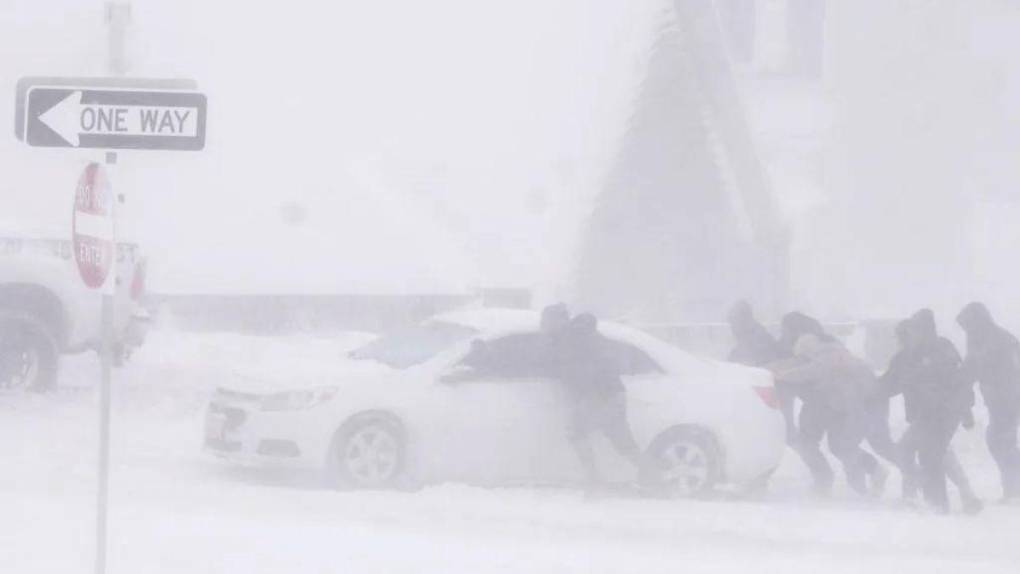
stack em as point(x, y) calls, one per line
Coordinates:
point(29, 356)
point(687, 461)
point(367, 453)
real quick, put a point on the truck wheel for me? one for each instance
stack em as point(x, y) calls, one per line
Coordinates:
point(28, 354)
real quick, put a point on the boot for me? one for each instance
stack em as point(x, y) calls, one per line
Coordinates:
point(972, 505)
point(879, 476)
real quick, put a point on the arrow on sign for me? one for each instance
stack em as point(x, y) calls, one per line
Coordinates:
point(63, 118)
point(70, 119)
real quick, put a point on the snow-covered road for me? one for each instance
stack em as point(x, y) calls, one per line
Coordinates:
point(174, 510)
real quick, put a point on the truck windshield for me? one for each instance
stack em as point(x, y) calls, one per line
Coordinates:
point(409, 347)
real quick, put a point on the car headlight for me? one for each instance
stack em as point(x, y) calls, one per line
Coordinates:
point(297, 400)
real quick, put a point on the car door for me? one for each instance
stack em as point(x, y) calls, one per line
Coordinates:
point(504, 419)
point(650, 391)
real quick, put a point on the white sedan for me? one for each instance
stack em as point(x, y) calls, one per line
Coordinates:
point(412, 412)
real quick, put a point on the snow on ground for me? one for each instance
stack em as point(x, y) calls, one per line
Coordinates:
point(174, 510)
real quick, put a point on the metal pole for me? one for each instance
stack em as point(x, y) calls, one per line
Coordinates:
point(118, 15)
point(106, 350)
point(106, 360)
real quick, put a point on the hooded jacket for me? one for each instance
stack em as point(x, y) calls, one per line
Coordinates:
point(832, 374)
point(933, 383)
point(927, 370)
point(993, 357)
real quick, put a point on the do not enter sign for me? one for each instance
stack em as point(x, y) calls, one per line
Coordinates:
point(93, 226)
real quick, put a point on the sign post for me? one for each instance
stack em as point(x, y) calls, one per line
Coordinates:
point(118, 16)
point(94, 240)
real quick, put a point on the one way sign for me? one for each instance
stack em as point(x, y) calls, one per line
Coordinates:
point(69, 116)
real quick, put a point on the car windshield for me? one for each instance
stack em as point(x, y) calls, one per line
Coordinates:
point(413, 346)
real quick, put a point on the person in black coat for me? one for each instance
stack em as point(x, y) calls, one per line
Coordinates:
point(893, 382)
point(993, 360)
point(937, 400)
point(592, 378)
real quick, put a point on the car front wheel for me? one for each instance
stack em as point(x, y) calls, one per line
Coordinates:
point(368, 453)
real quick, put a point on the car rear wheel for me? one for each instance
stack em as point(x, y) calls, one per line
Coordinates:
point(368, 453)
point(28, 354)
point(688, 461)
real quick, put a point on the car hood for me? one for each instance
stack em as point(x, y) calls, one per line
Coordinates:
point(347, 374)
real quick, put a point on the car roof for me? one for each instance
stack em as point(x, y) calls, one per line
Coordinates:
point(497, 322)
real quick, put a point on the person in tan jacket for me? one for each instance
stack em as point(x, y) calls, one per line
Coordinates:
point(836, 388)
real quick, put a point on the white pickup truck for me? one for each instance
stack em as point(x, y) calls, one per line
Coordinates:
point(46, 310)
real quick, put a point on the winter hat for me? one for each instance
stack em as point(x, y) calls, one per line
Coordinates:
point(902, 331)
point(924, 323)
point(974, 316)
point(584, 323)
point(740, 313)
point(555, 317)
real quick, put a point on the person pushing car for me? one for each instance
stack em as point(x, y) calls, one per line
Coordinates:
point(836, 388)
point(582, 361)
point(993, 360)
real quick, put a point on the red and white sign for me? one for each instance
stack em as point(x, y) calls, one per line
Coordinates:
point(93, 226)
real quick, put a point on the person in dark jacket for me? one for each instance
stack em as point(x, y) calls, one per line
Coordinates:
point(892, 383)
point(555, 319)
point(993, 360)
point(937, 400)
point(593, 383)
point(835, 387)
point(755, 346)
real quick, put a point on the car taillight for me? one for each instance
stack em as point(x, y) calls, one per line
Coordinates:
point(138, 281)
point(768, 396)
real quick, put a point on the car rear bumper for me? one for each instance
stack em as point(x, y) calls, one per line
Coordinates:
point(754, 448)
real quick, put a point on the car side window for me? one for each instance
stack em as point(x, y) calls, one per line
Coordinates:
point(511, 357)
point(632, 360)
